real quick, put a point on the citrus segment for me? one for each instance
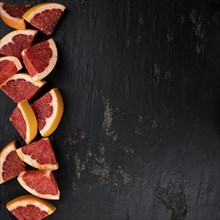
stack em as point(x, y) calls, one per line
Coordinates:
point(39, 154)
point(8, 67)
point(29, 207)
point(48, 110)
point(10, 164)
point(40, 59)
point(12, 14)
point(20, 86)
point(24, 120)
point(44, 16)
point(40, 183)
point(16, 41)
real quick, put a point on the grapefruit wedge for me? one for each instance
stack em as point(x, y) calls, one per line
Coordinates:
point(39, 154)
point(13, 43)
point(48, 110)
point(29, 207)
point(40, 183)
point(20, 87)
point(44, 16)
point(10, 164)
point(24, 120)
point(12, 14)
point(9, 66)
point(40, 59)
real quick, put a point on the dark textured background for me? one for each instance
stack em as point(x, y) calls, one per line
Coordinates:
point(140, 136)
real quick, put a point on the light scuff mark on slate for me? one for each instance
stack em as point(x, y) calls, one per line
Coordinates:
point(153, 123)
point(156, 75)
point(128, 149)
point(140, 18)
point(76, 137)
point(170, 37)
point(197, 27)
point(200, 48)
point(173, 197)
point(107, 120)
point(79, 166)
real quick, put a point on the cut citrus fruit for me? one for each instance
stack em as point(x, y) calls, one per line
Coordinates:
point(12, 14)
point(40, 59)
point(20, 87)
point(48, 110)
point(44, 16)
point(29, 207)
point(39, 154)
point(10, 164)
point(24, 120)
point(40, 183)
point(16, 41)
point(8, 67)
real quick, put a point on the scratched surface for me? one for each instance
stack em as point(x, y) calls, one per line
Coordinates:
point(140, 137)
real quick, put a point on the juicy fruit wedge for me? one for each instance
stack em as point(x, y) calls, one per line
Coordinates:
point(20, 87)
point(40, 59)
point(8, 67)
point(44, 16)
point(30, 207)
point(10, 164)
point(12, 14)
point(39, 154)
point(40, 183)
point(48, 110)
point(24, 120)
point(16, 41)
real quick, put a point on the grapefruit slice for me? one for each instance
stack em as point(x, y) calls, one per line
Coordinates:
point(10, 164)
point(8, 67)
point(40, 59)
point(48, 110)
point(39, 154)
point(24, 120)
point(12, 14)
point(44, 16)
point(20, 87)
point(16, 41)
point(30, 207)
point(40, 183)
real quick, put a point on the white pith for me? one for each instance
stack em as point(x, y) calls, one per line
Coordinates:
point(8, 38)
point(33, 192)
point(30, 161)
point(26, 77)
point(45, 7)
point(26, 202)
point(8, 149)
point(2, 11)
point(13, 59)
point(50, 120)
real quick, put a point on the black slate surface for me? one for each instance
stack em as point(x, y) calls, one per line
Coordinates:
point(140, 136)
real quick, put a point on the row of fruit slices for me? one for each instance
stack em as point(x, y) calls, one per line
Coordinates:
point(43, 114)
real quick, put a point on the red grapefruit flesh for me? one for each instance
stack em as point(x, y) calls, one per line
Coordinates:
point(20, 87)
point(16, 41)
point(10, 164)
point(24, 120)
point(29, 207)
point(39, 154)
point(12, 14)
point(8, 67)
point(48, 110)
point(44, 16)
point(40, 59)
point(40, 183)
